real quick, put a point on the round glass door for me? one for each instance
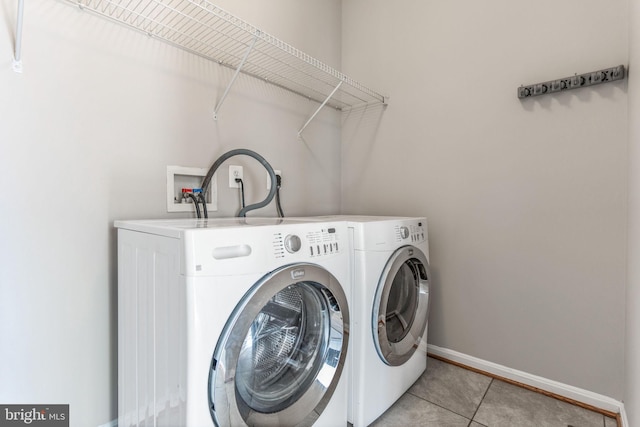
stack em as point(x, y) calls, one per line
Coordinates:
point(281, 353)
point(401, 306)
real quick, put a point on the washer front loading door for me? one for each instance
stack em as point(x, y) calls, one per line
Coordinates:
point(281, 353)
point(401, 305)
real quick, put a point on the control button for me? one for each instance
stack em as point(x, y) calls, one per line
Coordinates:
point(292, 243)
point(404, 232)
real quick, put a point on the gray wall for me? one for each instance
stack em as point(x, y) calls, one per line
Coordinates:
point(526, 200)
point(632, 353)
point(86, 134)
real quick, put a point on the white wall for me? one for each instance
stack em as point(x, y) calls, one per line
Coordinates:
point(632, 349)
point(86, 134)
point(526, 200)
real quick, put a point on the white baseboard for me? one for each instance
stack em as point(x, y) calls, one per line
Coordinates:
point(560, 389)
point(112, 423)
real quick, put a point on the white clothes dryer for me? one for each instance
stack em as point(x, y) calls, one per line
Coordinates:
point(390, 290)
point(391, 276)
point(232, 322)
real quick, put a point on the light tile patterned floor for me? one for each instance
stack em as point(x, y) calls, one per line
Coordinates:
point(450, 396)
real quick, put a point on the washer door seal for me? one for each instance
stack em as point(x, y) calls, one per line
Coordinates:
point(282, 351)
point(401, 306)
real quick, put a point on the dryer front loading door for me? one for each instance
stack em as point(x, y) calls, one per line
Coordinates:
point(281, 353)
point(401, 306)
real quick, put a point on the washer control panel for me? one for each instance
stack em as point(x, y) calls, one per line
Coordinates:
point(319, 242)
point(323, 242)
point(292, 243)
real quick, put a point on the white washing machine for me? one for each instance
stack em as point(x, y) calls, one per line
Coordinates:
point(232, 322)
point(390, 309)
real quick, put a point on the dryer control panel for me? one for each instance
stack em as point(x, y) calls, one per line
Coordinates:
point(411, 232)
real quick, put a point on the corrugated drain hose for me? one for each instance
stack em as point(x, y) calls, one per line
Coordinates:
point(243, 151)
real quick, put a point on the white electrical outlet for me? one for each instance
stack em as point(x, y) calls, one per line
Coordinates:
point(235, 172)
point(278, 172)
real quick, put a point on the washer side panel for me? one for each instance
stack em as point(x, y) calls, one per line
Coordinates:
point(151, 380)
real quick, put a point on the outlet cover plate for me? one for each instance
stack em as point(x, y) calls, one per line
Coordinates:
point(235, 172)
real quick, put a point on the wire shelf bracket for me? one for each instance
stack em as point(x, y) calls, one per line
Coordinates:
point(233, 79)
point(318, 110)
point(204, 29)
point(17, 58)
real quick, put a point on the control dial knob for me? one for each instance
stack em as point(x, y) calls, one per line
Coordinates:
point(404, 232)
point(292, 243)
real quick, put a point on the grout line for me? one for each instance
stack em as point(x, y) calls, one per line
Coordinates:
point(439, 406)
point(482, 400)
point(473, 421)
point(604, 412)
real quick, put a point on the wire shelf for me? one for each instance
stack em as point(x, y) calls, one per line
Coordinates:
point(204, 29)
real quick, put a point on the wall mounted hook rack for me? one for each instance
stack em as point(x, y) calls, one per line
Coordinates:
point(573, 82)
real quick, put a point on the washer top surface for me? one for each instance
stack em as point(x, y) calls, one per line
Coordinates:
point(175, 227)
point(356, 218)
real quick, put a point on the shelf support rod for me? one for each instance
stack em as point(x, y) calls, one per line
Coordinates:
point(319, 108)
point(17, 60)
point(235, 76)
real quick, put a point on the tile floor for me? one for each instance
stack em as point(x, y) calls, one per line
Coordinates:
point(450, 396)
